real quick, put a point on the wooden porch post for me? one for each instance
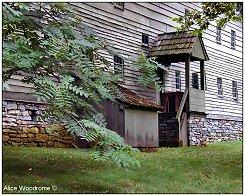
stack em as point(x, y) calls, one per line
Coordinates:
point(187, 85)
point(202, 74)
point(187, 81)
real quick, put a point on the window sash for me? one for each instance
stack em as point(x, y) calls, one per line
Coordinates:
point(195, 80)
point(220, 87)
point(186, 13)
point(118, 65)
point(234, 90)
point(233, 38)
point(218, 35)
point(177, 80)
point(145, 39)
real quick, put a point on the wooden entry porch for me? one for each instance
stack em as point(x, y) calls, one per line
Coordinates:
point(174, 47)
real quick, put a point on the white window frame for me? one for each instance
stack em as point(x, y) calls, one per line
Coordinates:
point(144, 38)
point(177, 80)
point(218, 35)
point(220, 86)
point(186, 12)
point(234, 90)
point(233, 39)
point(118, 61)
point(195, 81)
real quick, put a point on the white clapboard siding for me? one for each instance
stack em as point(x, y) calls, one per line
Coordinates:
point(137, 27)
point(153, 18)
point(227, 64)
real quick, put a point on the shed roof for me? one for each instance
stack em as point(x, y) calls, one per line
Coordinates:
point(179, 43)
point(133, 99)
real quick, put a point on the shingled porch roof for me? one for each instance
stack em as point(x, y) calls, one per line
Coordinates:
point(179, 43)
point(131, 98)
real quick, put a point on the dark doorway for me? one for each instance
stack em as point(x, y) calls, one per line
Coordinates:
point(171, 104)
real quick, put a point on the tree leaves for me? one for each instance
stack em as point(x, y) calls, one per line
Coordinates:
point(15, 12)
point(222, 13)
point(63, 58)
point(148, 72)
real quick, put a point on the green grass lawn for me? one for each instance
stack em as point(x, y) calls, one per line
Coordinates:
point(213, 169)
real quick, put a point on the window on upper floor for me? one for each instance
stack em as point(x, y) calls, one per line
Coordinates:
point(234, 90)
point(233, 39)
point(119, 5)
point(118, 65)
point(178, 80)
point(218, 35)
point(186, 14)
point(195, 81)
point(145, 39)
point(219, 85)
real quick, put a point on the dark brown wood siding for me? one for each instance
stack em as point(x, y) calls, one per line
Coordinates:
point(115, 117)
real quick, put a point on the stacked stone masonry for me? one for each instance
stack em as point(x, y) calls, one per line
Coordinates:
point(21, 127)
point(205, 131)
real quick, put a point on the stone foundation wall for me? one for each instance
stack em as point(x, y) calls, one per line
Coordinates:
point(205, 131)
point(22, 128)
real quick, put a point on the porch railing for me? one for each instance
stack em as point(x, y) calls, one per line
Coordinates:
point(179, 115)
point(182, 104)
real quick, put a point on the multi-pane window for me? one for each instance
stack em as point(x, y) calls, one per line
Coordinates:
point(177, 80)
point(119, 5)
point(218, 35)
point(219, 85)
point(195, 81)
point(145, 39)
point(186, 14)
point(234, 90)
point(118, 64)
point(233, 39)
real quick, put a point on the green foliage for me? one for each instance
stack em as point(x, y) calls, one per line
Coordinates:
point(148, 68)
point(65, 103)
point(65, 65)
point(221, 13)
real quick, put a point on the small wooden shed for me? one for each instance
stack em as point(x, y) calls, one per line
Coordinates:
point(134, 118)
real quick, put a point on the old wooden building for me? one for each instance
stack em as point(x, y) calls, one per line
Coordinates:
point(202, 102)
